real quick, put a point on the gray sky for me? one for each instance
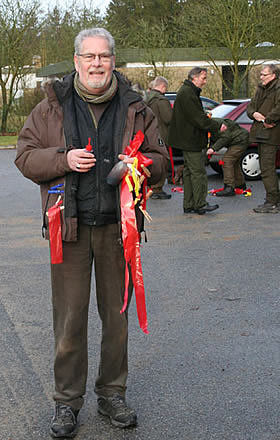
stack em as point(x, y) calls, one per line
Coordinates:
point(101, 4)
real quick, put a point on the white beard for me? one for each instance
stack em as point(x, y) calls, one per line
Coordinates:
point(97, 84)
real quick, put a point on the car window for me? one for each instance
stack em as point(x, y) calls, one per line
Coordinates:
point(243, 119)
point(208, 105)
point(222, 110)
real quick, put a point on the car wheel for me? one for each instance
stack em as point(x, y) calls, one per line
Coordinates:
point(216, 167)
point(250, 164)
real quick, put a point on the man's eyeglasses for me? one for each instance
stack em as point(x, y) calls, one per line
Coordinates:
point(89, 57)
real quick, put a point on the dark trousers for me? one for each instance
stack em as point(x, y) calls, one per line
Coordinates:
point(158, 187)
point(71, 286)
point(195, 180)
point(267, 154)
point(233, 175)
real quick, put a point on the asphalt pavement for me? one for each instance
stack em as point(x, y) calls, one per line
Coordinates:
point(208, 370)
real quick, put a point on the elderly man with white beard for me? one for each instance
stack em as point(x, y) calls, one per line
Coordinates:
point(93, 107)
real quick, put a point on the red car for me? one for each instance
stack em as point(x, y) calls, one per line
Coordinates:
point(236, 110)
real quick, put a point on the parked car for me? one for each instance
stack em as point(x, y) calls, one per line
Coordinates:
point(236, 110)
point(208, 103)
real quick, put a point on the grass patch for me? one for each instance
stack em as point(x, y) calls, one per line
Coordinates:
point(8, 140)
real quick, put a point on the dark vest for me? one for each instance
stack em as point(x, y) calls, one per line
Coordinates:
point(96, 200)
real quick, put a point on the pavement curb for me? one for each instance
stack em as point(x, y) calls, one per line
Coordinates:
point(8, 147)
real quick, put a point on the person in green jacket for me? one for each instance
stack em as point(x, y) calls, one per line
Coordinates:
point(264, 109)
point(162, 109)
point(235, 139)
point(189, 132)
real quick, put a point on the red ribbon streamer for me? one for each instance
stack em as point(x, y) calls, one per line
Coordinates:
point(55, 233)
point(172, 164)
point(130, 234)
point(131, 244)
point(134, 144)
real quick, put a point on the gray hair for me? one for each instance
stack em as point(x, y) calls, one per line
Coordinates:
point(91, 33)
point(273, 69)
point(195, 72)
point(159, 80)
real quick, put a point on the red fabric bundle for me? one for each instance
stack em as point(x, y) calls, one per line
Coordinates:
point(55, 233)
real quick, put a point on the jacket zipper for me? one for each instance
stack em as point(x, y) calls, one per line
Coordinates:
point(98, 168)
point(64, 201)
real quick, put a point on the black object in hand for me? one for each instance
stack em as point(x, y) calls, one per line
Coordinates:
point(117, 173)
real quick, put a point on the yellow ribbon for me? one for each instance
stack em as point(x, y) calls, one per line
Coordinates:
point(136, 180)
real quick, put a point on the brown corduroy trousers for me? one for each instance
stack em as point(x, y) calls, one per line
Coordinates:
point(71, 287)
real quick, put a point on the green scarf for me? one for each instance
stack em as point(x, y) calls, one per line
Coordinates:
point(95, 99)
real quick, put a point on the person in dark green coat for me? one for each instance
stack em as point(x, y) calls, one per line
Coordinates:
point(264, 109)
point(162, 109)
point(235, 139)
point(189, 132)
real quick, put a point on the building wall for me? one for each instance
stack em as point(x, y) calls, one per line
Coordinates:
point(175, 76)
point(30, 81)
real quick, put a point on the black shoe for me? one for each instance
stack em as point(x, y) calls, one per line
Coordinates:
point(188, 210)
point(243, 186)
point(162, 195)
point(116, 408)
point(64, 422)
point(206, 208)
point(228, 191)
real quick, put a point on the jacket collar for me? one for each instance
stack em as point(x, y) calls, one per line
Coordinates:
point(196, 89)
point(63, 89)
point(274, 83)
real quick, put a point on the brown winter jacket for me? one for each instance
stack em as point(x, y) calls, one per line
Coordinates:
point(42, 151)
point(267, 102)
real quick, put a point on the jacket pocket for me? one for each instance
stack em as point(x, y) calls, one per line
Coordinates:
point(262, 134)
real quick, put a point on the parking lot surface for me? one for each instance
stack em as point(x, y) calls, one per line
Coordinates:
point(208, 370)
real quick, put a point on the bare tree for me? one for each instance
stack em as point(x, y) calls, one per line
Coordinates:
point(154, 41)
point(232, 26)
point(19, 25)
point(60, 26)
point(272, 26)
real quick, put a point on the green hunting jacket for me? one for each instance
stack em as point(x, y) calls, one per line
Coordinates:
point(163, 111)
point(234, 135)
point(267, 102)
point(189, 124)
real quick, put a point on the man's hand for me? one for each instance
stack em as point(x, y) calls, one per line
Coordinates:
point(268, 125)
point(258, 117)
point(126, 159)
point(210, 151)
point(223, 127)
point(80, 160)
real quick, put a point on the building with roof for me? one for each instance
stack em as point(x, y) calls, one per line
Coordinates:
point(142, 65)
